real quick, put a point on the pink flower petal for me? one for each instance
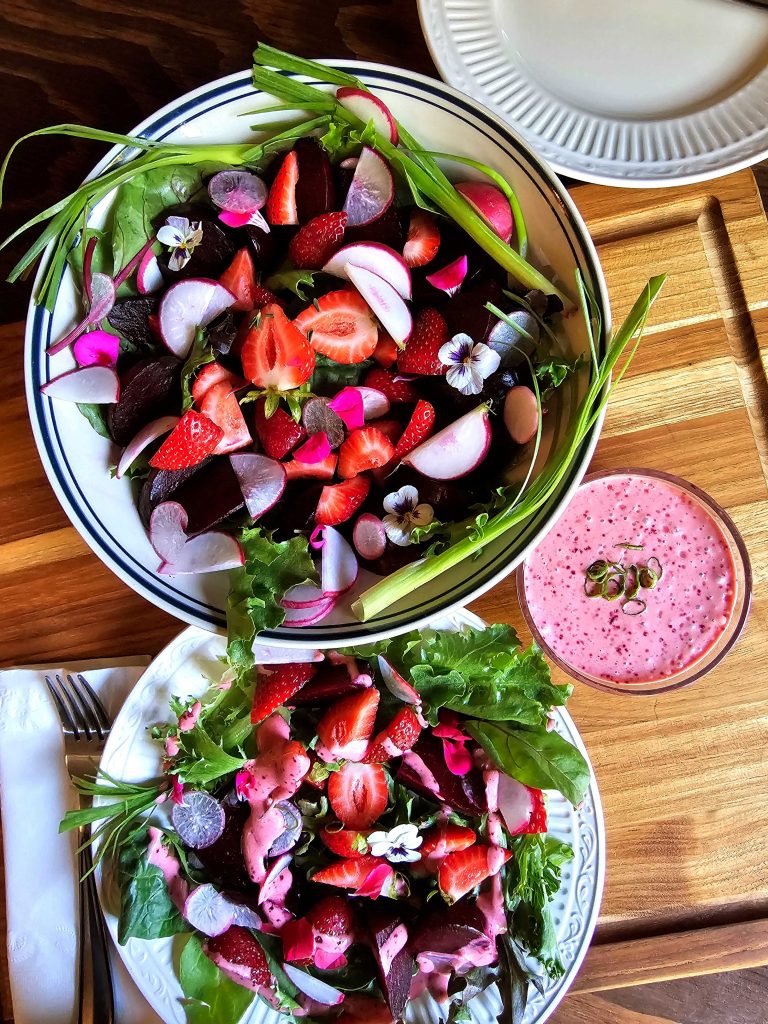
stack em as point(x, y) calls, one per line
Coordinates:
point(316, 538)
point(348, 406)
point(457, 758)
point(450, 278)
point(448, 727)
point(298, 940)
point(235, 220)
point(243, 784)
point(315, 448)
point(177, 793)
point(375, 881)
point(97, 348)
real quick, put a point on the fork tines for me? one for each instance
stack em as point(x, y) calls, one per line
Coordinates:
point(79, 707)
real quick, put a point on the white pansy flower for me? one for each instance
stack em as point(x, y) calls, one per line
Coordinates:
point(404, 513)
point(468, 363)
point(182, 236)
point(401, 844)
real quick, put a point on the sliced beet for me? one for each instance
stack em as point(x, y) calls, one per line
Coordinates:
point(466, 312)
point(160, 485)
point(214, 253)
point(343, 173)
point(223, 860)
point(437, 935)
point(315, 189)
point(449, 499)
point(210, 496)
point(465, 794)
point(386, 229)
point(296, 509)
point(131, 318)
point(151, 388)
point(264, 247)
point(394, 558)
point(395, 968)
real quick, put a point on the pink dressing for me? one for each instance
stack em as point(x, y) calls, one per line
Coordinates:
point(160, 856)
point(188, 720)
point(685, 614)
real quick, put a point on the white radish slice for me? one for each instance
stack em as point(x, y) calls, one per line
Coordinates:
point(513, 346)
point(371, 191)
point(369, 536)
point(273, 654)
point(261, 479)
point(199, 819)
point(456, 449)
point(167, 529)
point(90, 384)
point(148, 276)
point(368, 107)
point(299, 617)
point(242, 914)
point(145, 436)
point(375, 257)
point(208, 911)
point(516, 803)
point(303, 595)
point(492, 205)
point(213, 551)
point(316, 990)
point(338, 564)
point(521, 414)
point(188, 305)
point(375, 402)
point(271, 876)
point(395, 683)
point(237, 191)
point(386, 303)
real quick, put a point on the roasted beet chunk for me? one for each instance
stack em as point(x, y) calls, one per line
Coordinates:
point(160, 486)
point(214, 253)
point(465, 794)
point(149, 389)
point(210, 496)
point(131, 318)
point(315, 189)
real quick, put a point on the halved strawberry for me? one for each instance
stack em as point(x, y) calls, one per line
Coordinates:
point(322, 470)
point(420, 426)
point(274, 689)
point(340, 325)
point(358, 794)
point(461, 871)
point(236, 947)
point(430, 333)
point(192, 439)
point(210, 374)
point(395, 390)
point(346, 727)
point(314, 244)
point(365, 448)
point(339, 502)
point(220, 404)
point(348, 874)
point(240, 279)
point(332, 916)
point(281, 202)
point(386, 351)
point(280, 433)
point(344, 842)
point(333, 682)
point(442, 839)
point(398, 737)
point(423, 239)
point(275, 353)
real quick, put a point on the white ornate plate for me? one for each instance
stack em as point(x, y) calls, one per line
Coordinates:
point(615, 91)
point(185, 667)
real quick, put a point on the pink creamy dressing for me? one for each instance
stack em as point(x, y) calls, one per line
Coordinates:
point(687, 611)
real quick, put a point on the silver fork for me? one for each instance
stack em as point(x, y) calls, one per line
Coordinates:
point(86, 726)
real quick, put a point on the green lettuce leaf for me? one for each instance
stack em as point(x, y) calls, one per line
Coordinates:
point(210, 997)
point(300, 282)
point(96, 416)
point(199, 355)
point(329, 376)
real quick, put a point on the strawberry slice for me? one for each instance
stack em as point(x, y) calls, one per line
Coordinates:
point(322, 470)
point(281, 202)
point(264, 297)
point(346, 727)
point(275, 688)
point(461, 871)
point(365, 448)
point(240, 279)
point(280, 433)
point(430, 333)
point(341, 326)
point(220, 404)
point(344, 842)
point(348, 874)
point(192, 439)
point(398, 737)
point(314, 244)
point(443, 839)
point(420, 426)
point(395, 390)
point(339, 502)
point(236, 947)
point(358, 794)
point(423, 239)
point(275, 353)
point(386, 351)
point(210, 374)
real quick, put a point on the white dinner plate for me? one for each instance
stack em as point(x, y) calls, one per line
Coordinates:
point(185, 667)
point(656, 92)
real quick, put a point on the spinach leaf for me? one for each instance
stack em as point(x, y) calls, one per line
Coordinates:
point(210, 997)
point(535, 757)
point(284, 989)
point(96, 416)
point(329, 375)
point(146, 909)
point(199, 355)
point(300, 282)
point(513, 982)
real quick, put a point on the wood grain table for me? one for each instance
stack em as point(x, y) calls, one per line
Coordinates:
point(684, 776)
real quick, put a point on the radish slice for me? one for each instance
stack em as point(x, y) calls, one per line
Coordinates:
point(492, 205)
point(368, 107)
point(450, 278)
point(456, 449)
point(375, 402)
point(272, 654)
point(378, 258)
point(385, 302)
point(101, 295)
point(242, 914)
point(299, 617)
point(97, 348)
point(237, 191)
point(208, 552)
point(512, 346)
point(199, 819)
point(90, 384)
point(516, 803)
point(148, 276)
point(303, 596)
point(371, 191)
point(145, 436)
point(395, 683)
point(316, 990)
point(521, 414)
point(208, 911)
point(271, 877)
point(338, 568)
point(369, 536)
point(349, 407)
point(261, 479)
point(188, 305)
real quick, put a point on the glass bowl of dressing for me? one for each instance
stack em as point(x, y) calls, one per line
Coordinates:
point(642, 586)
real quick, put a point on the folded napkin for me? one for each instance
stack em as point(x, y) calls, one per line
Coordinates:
point(40, 864)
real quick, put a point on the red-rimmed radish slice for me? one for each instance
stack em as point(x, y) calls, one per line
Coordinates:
point(371, 191)
point(242, 914)
point(188, 305)
point(338, 565)
point(299, 617)
point(208, 911)
point(450, 278)
point(369, 536)
point(270, 883)
point(375, 402)
point(273, 654)
point(145, 436)
point(261, 479)
point(376, 257)
point(208, 552)
point(199, 819)
point(101, 300)
point(456, 449)
point(97, 348)
point(368, 107)
point(316, 990)
point(395, 683)
point(237, 191)
point(148, 276)
point(516, 803)
point(303, 596)
point(385, 302)
point(89, 384)
point(521, 414)
point(491, 203)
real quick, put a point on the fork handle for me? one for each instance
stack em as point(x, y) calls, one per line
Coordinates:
point(96, 997)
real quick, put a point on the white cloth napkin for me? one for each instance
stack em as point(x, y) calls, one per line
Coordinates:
point(40, 865)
